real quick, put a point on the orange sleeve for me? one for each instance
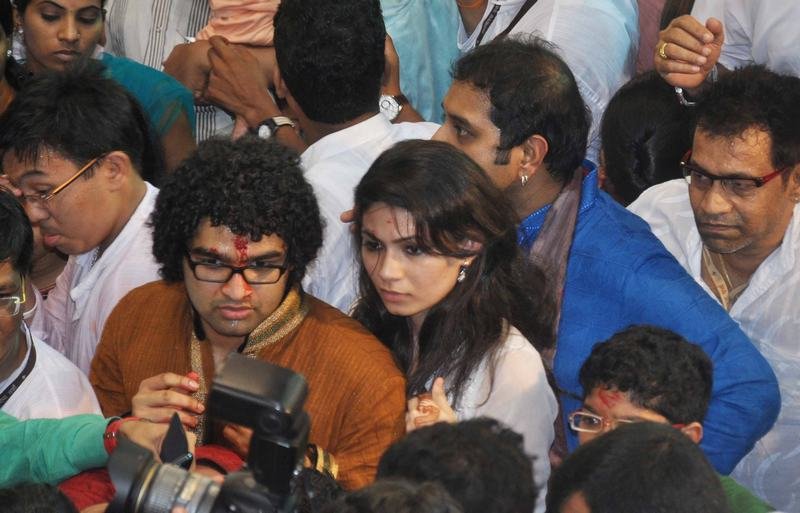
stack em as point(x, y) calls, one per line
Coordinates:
point(105, 374)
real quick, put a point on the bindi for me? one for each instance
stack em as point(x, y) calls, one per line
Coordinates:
point(609, 398)
point(240, 243)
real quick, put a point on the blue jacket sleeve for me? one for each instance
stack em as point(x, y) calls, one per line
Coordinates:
point(745, 397)
point(49, 450)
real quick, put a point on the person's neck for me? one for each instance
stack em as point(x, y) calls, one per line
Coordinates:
point(313, 131)
point(741, 265)
point(46, 269)
point(471, 13)
point(541, 190)
point(11, 361)
point(222, 346)
point(132, 196)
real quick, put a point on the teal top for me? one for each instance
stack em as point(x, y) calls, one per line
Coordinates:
point(49, 450)
point(740, 499)
point(162, 97)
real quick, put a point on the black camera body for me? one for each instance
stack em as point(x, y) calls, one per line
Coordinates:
point(264, 397)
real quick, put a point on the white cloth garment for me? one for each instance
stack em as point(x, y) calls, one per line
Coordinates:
point(598, 39)
point(334, 165)
point(769, 313)
point(520, 398)
point(54, 389)
point(146, 31)
point(756, 32)
point(75, 312)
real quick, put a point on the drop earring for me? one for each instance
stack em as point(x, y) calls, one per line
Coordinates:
point(462, 272)
point(523, 179)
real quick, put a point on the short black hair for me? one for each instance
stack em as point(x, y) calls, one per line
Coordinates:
point(644, 466)
point(330, 54)
point(658, 368)
point(755, 97)
point(645, 131)
point(35, 498)
point(80, 114)
point(397, 496)
point(480, 462)
point(532, 91)
point(16, 236)
point(6, 21)
point(252, 186)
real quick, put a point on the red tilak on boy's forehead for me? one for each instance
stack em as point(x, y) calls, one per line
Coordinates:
point(241, 243)
point(609, 398)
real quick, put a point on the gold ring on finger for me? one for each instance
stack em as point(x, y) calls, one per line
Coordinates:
point(661, 51)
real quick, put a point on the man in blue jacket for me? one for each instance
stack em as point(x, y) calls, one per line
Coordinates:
point(515, 108)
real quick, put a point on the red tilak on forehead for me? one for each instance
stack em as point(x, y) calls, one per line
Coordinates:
point(241, 243)
point(610, 398)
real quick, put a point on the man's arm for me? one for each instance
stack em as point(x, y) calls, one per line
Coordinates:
point(375, 419)
point(50, 450)
point(745, 399)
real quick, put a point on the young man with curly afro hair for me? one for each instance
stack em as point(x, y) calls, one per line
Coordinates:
point(234, 230)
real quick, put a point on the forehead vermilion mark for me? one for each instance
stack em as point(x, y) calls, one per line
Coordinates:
point(240, 243)
point(609, 398)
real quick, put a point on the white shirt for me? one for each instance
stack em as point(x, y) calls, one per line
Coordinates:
point(756, 32)
point(598, 39)
point(334, 165)
point(75, 312)
point(146, 31)
point(520, 398)
point(768, 311)
point(54, 389)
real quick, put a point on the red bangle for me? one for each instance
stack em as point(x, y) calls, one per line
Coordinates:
point(111, 436)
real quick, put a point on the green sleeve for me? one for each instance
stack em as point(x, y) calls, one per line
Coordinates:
point(741, 500)
point(50, 450)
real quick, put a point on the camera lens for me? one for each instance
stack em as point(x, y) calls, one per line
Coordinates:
point(172, 486)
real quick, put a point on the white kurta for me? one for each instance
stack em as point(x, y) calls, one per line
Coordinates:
point(769, 313)
point(756, 32)
point(598, 39)
point(334, 165)
point(75, 312)
point(520, 398)
point(54, 389)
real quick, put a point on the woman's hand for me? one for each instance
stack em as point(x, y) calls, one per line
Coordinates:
point(428, 409)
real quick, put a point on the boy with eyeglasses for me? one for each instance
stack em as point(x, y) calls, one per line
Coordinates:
point(649, 374)
point(35, 380)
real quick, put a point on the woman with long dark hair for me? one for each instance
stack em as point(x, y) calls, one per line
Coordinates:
point(446, 288)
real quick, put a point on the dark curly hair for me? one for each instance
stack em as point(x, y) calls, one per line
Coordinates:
point(252, 186)
point(645, 132)
point(755, 97)
point(396, 496)
point(659, 368)
point(480, 462)
point(532, 91)
point(452, 200)
point(330, 54)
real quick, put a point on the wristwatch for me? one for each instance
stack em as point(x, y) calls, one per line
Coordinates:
point(392, 105)
point(267, 128)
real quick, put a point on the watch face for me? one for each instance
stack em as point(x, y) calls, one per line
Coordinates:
point(264, 132)
point(389, 106)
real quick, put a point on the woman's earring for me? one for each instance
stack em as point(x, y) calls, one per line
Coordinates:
point(523, 179)
point(8, 53)
point(462, 272)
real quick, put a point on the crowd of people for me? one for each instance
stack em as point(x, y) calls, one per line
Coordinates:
point(528, 255)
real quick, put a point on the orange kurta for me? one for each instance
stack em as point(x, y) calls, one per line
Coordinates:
point(356, 397)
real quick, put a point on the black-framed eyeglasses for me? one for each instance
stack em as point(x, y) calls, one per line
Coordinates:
point(258, 273)
point(701, 179)
point(11, 305)
point(41, 199)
